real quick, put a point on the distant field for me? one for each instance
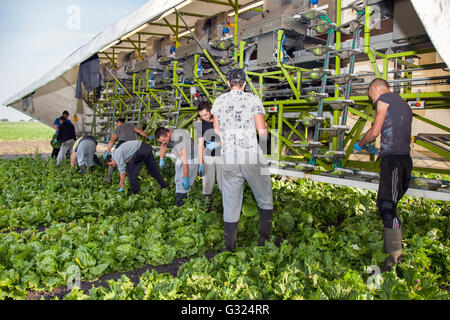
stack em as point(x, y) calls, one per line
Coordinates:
point(27, 138)
point(25, 131)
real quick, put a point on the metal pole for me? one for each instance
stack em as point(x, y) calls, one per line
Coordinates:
point(326, 63)
point(337, 67)
point(205, 51)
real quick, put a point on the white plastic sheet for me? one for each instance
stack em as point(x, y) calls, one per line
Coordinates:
point(151, 10)
point(435, 17)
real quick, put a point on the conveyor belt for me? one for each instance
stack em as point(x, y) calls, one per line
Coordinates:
point(441, 141)
point(361, 179)
point(442, 194)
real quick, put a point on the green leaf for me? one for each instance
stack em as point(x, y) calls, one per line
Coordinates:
point(47, 266)
point(249, 209)
point(85, 260)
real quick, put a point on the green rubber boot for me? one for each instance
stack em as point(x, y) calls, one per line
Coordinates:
point(393, 246)
point(110, 174)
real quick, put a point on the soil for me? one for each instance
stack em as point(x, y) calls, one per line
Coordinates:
point(13, 148)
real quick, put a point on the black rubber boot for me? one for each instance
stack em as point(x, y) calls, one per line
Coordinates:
point(393, 246)
point(265, 225)
point(55, 152)
point(230, 231)
point(179, 199)
point(207, 202)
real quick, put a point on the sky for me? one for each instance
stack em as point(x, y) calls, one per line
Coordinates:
point(39, 34)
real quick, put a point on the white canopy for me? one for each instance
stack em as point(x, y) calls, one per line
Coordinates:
point(435, 17)
point(147, 12)
point(55, 91)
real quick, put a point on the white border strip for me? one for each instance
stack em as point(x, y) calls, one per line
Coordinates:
point(420, 193)
point(414, 192)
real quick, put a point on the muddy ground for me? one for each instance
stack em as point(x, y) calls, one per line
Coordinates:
point(12, 149)
point(133, 275)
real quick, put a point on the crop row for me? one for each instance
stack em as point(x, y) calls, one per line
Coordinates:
point(332, 235)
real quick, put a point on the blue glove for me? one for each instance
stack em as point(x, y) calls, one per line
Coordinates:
point(356, 147)
point(371, 149)
point(55, 141)
point(211, 145)
point(161, 163)
point(106, 155)
point(201, 169)
point(186, 183)
point(151, 138)
point(120, 190)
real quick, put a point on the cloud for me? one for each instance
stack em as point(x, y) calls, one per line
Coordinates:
point(12, 114)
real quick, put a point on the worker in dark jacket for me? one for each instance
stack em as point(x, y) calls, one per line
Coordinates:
point(66, 135)
point(56, 125)
point(393, 121)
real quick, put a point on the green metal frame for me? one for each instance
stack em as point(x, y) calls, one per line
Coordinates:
point(282, 129)
point(365, 110)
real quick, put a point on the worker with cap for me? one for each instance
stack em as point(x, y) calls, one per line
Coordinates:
point(238, 115)
point(393, 120)
point(83, 153)
point(210, 166)
point(125, 131)
point(186, 165)
point(129, 159)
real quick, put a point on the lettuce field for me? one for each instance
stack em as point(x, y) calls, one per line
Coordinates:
point(62, 231)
